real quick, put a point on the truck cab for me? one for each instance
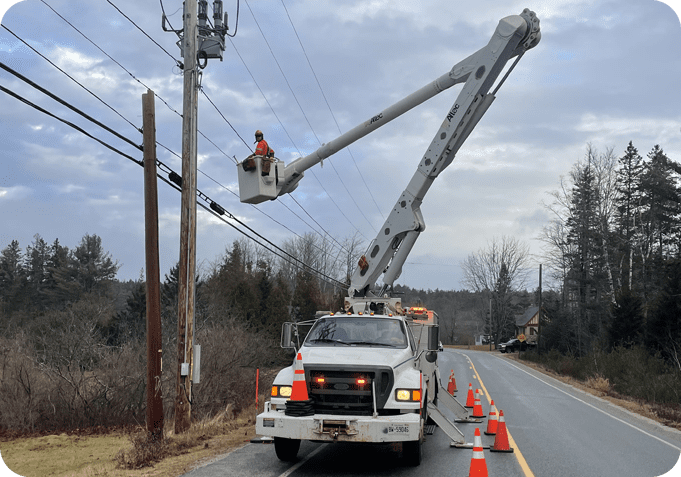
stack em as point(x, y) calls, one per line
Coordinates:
point(369, 378)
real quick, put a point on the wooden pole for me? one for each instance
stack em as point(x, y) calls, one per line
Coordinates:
point(153, 285)
point(539, 316)
point(187, 267)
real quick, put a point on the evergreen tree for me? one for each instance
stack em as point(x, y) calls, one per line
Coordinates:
point(12, 276)
point(663, 330)
point(628, 205)
point(94, 266)
point(307, 299)
point(36, 265)
point(586, 280)
point(660, 198)
point(626, 327)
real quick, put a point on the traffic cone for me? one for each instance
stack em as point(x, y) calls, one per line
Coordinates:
point(300, 403)
point(492, 422)
point(299, 391)
point(478, 464)
point(477, 405)
point(501, 440)
point(451, 385)
point(470, 399)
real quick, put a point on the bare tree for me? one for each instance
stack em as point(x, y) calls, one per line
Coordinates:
point(482, 269)
point(499, 269)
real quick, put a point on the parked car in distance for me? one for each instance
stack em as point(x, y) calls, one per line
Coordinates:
point(514, 344)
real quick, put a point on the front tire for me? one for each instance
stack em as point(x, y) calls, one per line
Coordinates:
point(286, 449)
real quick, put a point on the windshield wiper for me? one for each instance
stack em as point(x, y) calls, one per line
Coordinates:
point(370, 343)
point(327, 340)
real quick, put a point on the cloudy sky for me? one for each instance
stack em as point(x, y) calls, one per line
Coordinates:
point(604, 73)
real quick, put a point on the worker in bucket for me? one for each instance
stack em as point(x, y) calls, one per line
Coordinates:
point(263, 150)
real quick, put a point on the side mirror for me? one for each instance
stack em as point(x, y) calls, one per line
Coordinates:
point(433, 338)
point(287, 336)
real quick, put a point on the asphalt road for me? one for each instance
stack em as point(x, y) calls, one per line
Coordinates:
point(555, 430)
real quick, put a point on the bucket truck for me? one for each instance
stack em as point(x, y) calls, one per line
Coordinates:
point(371, 371)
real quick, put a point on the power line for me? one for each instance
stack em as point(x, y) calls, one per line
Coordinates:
point(311, 128)
point(290, 138)
point(71, 78)
point(140, 82)
point(68, 105)
point(329, 106)
point(144, 32)
point(213, 205)
point(68, 123)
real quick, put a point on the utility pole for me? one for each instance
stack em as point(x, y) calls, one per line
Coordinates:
point(196, 42)
point(539, 316)
point(153, 287)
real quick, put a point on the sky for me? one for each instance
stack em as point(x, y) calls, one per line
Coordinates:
point(605, 73)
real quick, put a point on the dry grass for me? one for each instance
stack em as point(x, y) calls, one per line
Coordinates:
point(122, 454)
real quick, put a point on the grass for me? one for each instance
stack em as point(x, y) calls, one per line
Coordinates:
point(126, 454)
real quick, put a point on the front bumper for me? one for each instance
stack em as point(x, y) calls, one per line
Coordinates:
point(338, 428)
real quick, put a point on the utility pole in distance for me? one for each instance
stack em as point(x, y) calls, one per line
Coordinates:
point(153, 287)
point(196, 42)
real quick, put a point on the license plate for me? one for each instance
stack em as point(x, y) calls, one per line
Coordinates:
point(398, 429)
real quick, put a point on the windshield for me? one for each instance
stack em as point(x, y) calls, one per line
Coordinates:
point(353, 331)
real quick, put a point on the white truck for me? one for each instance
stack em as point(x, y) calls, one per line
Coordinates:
point(371, 371)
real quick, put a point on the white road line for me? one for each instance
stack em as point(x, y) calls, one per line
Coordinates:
point(594, 407)
point(301, 462)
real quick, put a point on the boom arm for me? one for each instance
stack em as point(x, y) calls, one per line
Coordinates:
point(389, 250)
point(387, 253)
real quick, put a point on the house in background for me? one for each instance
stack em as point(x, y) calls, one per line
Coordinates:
point(528, 323)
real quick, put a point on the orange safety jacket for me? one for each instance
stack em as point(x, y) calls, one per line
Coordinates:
point(262, 148)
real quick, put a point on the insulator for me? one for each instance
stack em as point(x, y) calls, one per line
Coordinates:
point(217, 208)
point(176, 178)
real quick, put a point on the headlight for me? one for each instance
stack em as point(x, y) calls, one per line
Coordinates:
point(281, 391)
point(412, 395)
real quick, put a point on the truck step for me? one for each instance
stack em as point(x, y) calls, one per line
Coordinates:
point(430, 429)
point(445, 424)
point(451, 403)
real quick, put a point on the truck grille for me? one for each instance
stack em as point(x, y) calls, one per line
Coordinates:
point(348, 391)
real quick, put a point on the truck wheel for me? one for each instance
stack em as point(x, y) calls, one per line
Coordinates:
point(412, 452)
point(286, 449)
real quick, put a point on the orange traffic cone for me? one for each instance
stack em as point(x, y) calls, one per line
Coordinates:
point(451, 385)
point(501, 440)
point(299, 391)
point(477, 405)
point(470, 399)
point(492, 422)
point(478, 464)
point(299, 404)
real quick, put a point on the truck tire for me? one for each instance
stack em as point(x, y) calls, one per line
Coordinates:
point(286, 449)
point(412, 452)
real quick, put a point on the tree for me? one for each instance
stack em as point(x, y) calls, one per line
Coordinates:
point(12, 275)
point(36, 265)
point(663, 331)
point(628, 208)
point(585, 280)
point(307, 298)
point(481, 269)
point(626, 327)
point(500, 269)
point(93, 265)
point(661, 206)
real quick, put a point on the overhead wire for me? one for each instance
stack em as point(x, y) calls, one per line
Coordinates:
point(156, 95)
point(329, 106)
point(285, 132)
point(313, 132)
point(291, 259)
